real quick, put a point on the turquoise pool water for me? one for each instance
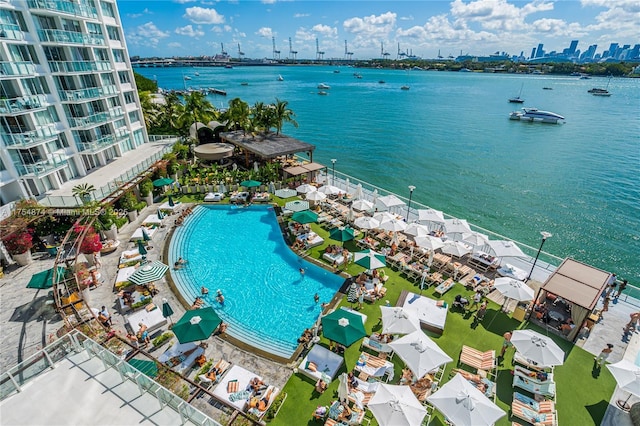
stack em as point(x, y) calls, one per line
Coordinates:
point(241, 251)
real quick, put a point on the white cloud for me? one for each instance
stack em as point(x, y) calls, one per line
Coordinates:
point(265, 32)
point(406, 18)
point(184, 1)
point(189, 31)
point(301, 15)
point(146, 11)
point(268, 1)
point(227, 28)
point(621, 17)
point(147, 35)
point(201, 15)
point(174, 45)
point(371, 25)
point(325, 30)
point(497, 14)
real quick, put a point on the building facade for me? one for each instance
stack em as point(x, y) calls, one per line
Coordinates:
point(68, 98)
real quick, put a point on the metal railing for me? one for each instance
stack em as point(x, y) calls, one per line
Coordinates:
point(17, 68)
point(11, 32)
point(78, 8)
point(70, 37)
point(32, 137)
point(22, 103)
point(79, 66)
point(14, 379)
point(42, 167)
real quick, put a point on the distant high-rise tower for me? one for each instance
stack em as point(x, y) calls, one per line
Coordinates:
point(70, 94)
point(533, 53)
point(540, 51)
point(613, 48)
point(572, 47)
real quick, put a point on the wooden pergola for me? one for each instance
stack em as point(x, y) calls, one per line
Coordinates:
point(267, 146)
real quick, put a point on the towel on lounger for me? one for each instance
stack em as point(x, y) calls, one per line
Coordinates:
point(237, 396)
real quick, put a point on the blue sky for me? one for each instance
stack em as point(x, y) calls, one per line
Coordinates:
point(194, 28)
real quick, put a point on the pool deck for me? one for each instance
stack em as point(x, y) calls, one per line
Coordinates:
point(28, 322)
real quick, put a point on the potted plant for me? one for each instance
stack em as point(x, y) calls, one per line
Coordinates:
point(83, 191)
point(90, 244)
point(129, 203)
point(146, 191)
point(19, 246)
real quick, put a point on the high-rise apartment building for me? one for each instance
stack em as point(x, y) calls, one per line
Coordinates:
point(540, 51)
point(68, 100)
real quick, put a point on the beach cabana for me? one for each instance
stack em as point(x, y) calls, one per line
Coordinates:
point(576, 283)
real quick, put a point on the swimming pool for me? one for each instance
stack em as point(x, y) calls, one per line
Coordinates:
point(241, 251)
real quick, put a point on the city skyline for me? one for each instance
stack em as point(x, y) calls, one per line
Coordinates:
point(421, 28)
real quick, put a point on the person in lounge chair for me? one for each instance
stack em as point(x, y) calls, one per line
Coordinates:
point(475, 378)
point(261, 403)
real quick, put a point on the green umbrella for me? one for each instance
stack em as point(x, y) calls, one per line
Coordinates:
point(370, 259)
point(142, 249)
point(44, 279)
point(197, 324)
point(305, 216)
point(342, 234)
point(250, 183)
point(166, 309)
point(145, 235)
point(144, 366)
point(343, 327)
point(149, 272)
point(171, 203)
point(162, 182)
point(160, 214)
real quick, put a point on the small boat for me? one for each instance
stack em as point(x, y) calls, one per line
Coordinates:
point(584, 77)
point(517, 99)
point(324, 86)
point(405, 87)
point(186, 77)
point(244, 83)
point(536, 115)
point(357, 75)
point(228, 66)
point(465, 70)
point(601, 92)
point(322, 92)
point(197, 74)
point(382, 82)
point(547, 88)
point(280, 78)
point(336, 71)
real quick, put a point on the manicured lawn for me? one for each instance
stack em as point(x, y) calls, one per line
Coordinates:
point(581, 398)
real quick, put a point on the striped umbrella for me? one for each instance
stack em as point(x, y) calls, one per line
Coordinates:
point(149, 272)
point(297, 205)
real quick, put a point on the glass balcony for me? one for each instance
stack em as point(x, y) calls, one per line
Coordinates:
point(22, 104)
point(80, 95)
point(11, 32)
point(70, 37)
point(93, 146)
point(17, 68)
point(71, 8)
point(79, 66)
point(90, 120)
point(30, 138)
point(42, 167)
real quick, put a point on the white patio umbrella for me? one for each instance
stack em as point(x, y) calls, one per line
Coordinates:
point(419, 353)
point(384, 217)
point(222, 188)
point(366, 222)
point(475, 238)
point(388, 201)
point(416, 230)
point(395, 320)
point(350, 215)
point(394, 405)
point(456, 226)
point(286, 193)
point(329, 190)
point(463, 405)
point(374, 197)
point(315, 196)
point(297, 205)
point(455, 248)
point(513, 289)
point(362, 205)
point(343, 387)
point(503, 248)
point(346, 185)
point(430, 215)
point(359, 194)
point(627, 375)
point(540, 349)
point(393, 225)
point(429, 242)
point(305, 188)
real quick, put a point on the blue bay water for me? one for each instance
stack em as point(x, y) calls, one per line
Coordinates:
point(450, 136)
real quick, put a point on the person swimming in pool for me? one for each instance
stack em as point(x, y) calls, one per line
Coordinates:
point(220, 297)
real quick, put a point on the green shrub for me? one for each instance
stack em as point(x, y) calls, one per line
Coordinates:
point(161, 339)
point(275, 406)
point(141, 303)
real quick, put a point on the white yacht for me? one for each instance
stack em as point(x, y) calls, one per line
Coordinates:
point(280, 78)
point(324, 86)
point(534, 114)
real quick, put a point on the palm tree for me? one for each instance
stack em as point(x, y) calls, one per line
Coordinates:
point(238, 115)
point(150, 111)
point(196, 109)
point(83, 191)
point(283, 114)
